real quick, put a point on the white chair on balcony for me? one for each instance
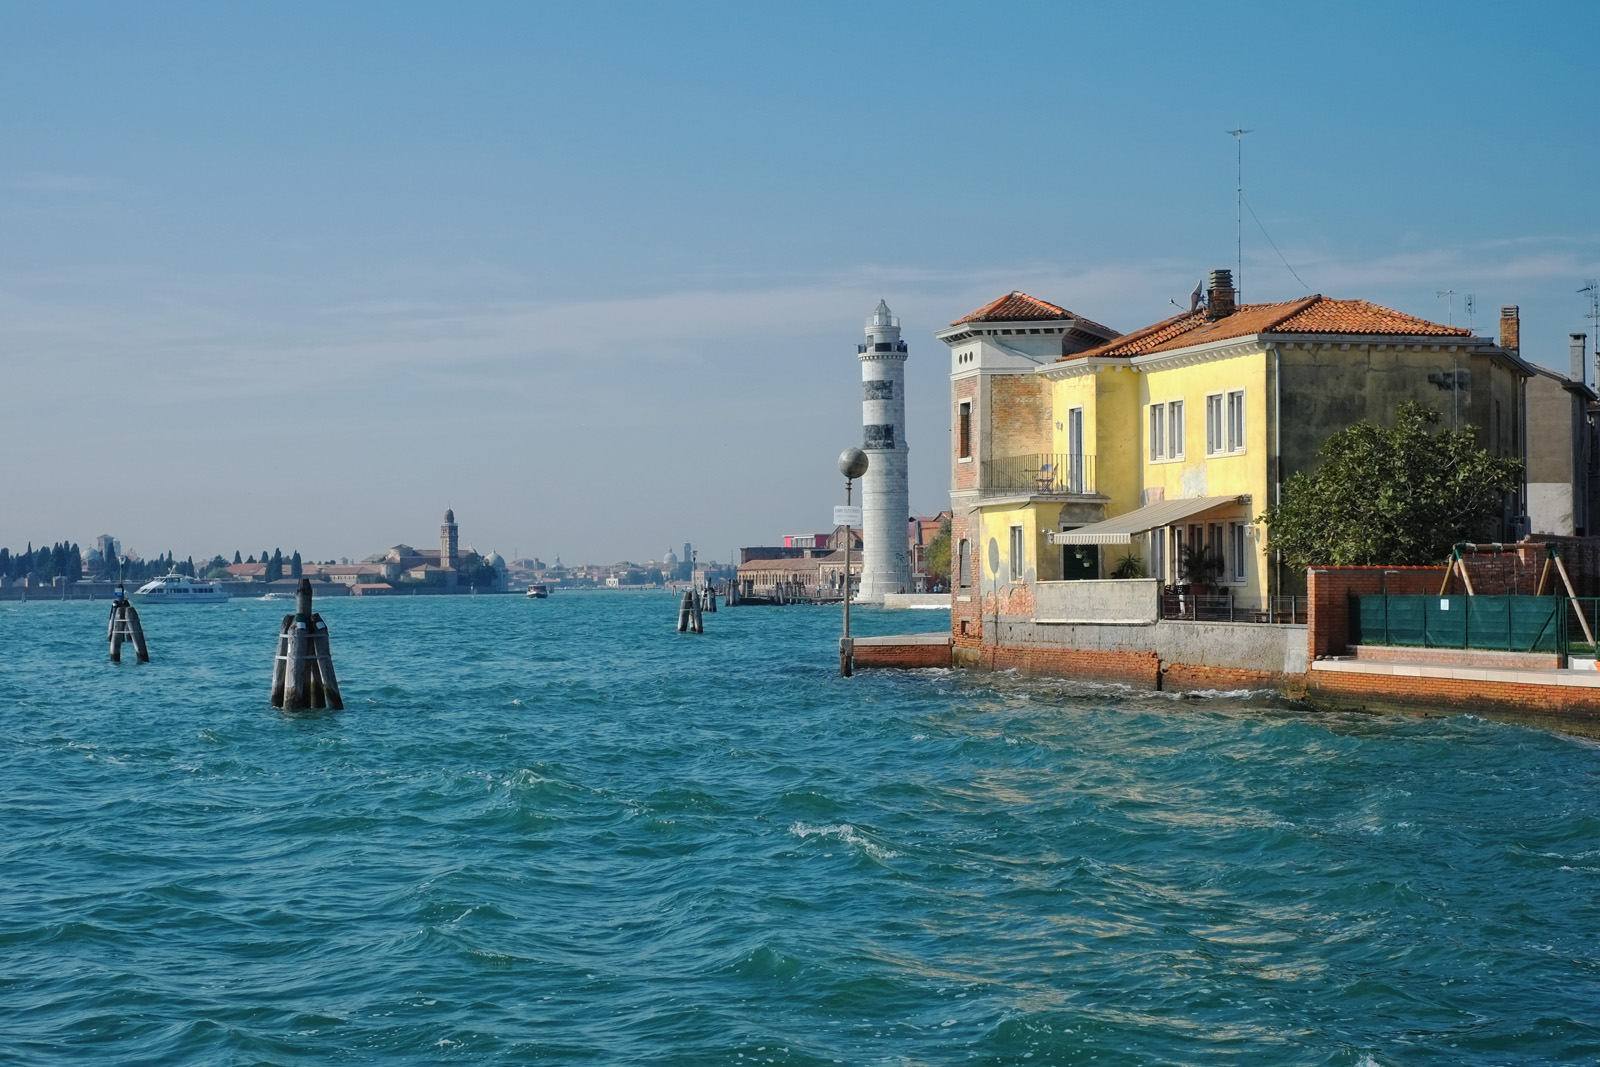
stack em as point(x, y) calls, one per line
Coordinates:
point(1045, 477)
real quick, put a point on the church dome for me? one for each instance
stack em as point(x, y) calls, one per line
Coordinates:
point(495, 560)
point(449, 515)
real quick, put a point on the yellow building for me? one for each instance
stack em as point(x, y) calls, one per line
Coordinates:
point(1166, 444)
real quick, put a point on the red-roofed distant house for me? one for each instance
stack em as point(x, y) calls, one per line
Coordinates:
point(1074, 447)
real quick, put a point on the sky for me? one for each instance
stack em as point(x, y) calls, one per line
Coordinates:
point(592, 275)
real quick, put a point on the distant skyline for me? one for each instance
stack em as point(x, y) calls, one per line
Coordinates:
point(302, 276)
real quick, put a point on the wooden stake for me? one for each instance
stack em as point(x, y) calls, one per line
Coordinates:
point(137, 632)
point(1572, 595)
point(280, 662)
point(1466, 579)
point(324, 662)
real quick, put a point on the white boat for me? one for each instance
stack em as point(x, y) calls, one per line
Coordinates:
point(179, 589)
point(275, 596)
point(538, 592)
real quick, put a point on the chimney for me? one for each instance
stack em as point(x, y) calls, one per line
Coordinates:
point(1510, 329)
point(1576, 344)
point(1219, 297)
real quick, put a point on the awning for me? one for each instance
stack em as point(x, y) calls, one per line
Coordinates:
point(1120, 530)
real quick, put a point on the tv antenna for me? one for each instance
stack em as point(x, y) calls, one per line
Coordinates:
point(1238, 214)
point(1592, 287)
point(1450, 307)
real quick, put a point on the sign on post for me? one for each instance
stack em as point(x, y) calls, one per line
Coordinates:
point(847, 515)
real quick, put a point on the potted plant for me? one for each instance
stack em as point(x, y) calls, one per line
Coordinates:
point(1199, 568)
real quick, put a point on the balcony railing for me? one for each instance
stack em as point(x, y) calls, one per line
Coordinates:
point(1060, 473)
point(1207, 608)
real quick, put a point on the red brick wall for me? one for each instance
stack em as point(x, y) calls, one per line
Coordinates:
point(1020, 413)
point(964, 475)
point(902, 656)
point(963, 614)
point(1329, 590)
point(1458, 657)
point(1572, 704)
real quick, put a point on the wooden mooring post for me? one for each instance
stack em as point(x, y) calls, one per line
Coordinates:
point(302, 671)
point(124, 626)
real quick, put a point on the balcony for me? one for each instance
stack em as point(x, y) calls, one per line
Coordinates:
point(1039, 474)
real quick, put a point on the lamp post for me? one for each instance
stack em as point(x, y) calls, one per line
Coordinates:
point(852, 464)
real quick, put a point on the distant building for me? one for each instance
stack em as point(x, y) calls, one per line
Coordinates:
point(1563, 449)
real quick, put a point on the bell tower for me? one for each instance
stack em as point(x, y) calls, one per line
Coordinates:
point(449, 542)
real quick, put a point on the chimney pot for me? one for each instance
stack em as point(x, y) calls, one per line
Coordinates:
point(1577, 343)
point(1220, 296)
point(1510, 329)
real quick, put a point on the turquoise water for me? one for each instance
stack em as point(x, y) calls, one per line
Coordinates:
point(559, 832)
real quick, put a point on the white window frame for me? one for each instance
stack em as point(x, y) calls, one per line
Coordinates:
point(1018, 550)
point(1234, 407)
point(1175, 432)
point(964, 431)
point(1215, 433)
point(1158, 430)
point(1238, 549)
point(1158, 554)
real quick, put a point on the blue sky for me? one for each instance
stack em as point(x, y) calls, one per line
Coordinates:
point(593, 275)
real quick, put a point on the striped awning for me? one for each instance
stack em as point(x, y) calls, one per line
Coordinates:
point(1120, 530)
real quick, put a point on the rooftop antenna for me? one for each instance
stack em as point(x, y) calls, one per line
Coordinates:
point(1467, 300)
point(1592, 287)
point(1238, 215)
point(1450, 307)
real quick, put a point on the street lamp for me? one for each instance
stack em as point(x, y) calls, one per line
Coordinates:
point(852, 464)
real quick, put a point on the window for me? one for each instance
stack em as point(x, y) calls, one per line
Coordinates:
point(1175, 430)
point(963, 564)
point(1158, 426)
point(1237, 532)
point(1075, 450)
point(1016, 553)
point(1158, 553)
point(1166, 430)
point(1236, 421)
point(1214, 424)
point(964, 430)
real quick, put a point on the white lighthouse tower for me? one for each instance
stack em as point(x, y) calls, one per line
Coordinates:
point(885, 497)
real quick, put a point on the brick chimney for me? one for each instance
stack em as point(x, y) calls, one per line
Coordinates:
point(1576, 346)
point(1510, 329)
point(1220, 295)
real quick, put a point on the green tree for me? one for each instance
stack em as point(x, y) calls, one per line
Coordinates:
point(295, 565)
point(936, 558)
point(1391, 496)
point(236, 558)
point(274, 565)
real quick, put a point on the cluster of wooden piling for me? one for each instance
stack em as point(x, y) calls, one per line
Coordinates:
point(695, 603)
point(302, 673)
point(124, 626)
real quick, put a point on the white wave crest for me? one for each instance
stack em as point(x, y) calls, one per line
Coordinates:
point(846, 833)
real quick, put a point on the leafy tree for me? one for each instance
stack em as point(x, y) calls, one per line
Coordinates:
point(274, 565)
point(295, 565)
point(236, 558)
point(1382, 496)
point(936, 557)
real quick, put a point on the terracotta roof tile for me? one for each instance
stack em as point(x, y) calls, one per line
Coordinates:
point(1312, 314)
point(1017, 306)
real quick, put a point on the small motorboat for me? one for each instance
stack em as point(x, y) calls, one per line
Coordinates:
point(538, 592)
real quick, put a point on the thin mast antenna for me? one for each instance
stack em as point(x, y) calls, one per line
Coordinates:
point(1592, 287)
point(1449, 296)
point(1238, 215)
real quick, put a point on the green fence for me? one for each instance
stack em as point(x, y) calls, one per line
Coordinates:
point(1511, 623)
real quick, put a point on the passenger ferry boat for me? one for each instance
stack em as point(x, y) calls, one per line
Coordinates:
point(177, 588)
point(538, 592)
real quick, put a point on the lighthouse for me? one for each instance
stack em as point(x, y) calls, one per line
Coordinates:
point(885, 496)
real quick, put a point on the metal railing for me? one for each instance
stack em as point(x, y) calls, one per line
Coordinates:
point(1059, 473)
point(1191, 607)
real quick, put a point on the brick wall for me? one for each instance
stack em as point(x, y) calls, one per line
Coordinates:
point(964, 475)
point(1458, 657)
point(905, 657)
point(1567, 706)
point(1020, 416)
point(1329, 590)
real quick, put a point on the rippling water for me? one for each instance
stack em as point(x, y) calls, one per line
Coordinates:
point(560, 832)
